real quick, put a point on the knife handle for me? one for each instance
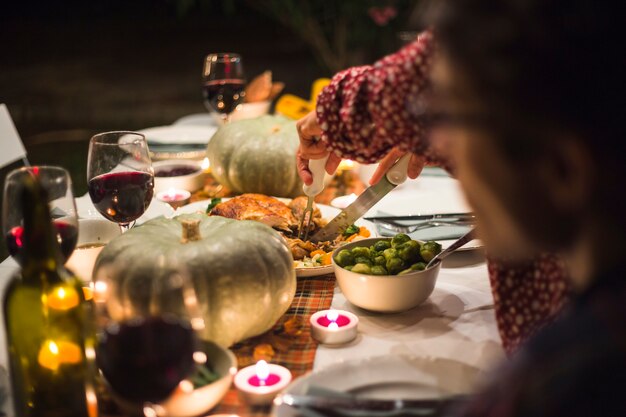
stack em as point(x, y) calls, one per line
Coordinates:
point(397, 174)
point(318, 170)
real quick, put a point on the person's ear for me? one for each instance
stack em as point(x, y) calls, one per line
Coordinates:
point(567, 173)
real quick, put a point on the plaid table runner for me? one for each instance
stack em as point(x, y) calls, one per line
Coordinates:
point(288, 343)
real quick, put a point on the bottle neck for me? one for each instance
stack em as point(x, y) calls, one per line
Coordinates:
point(41, 249)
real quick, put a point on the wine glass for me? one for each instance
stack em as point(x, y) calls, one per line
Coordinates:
point(120, 176)
point(147, 325)
point(224, 83)
point(58, 185)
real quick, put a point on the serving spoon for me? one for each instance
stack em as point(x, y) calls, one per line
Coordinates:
point(462, 241)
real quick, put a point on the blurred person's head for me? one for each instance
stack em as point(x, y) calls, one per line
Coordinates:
point(535, 93)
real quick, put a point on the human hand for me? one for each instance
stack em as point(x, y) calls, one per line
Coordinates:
point(311, 147)
point(416, 164)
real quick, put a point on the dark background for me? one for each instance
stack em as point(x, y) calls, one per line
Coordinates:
point(71, 68)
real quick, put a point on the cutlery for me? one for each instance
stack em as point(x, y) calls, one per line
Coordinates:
point(466, 238)
point(419, 217)
point(427, 407)
point(421, 226)
point(318, 169)
point(372, 195)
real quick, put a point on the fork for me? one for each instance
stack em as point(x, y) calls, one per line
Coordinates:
point(318, 169)
point(397, 228)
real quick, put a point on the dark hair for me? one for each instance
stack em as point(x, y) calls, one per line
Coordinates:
point(555, 65)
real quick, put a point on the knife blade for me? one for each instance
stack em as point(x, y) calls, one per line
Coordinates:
point(426, 407)
point(372, 195)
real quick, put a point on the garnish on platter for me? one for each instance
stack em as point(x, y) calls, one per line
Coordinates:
point(284, 217)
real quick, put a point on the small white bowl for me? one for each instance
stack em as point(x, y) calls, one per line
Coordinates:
point(384, 293)
point(191, 182)
point(201, 400)
point(93, 235)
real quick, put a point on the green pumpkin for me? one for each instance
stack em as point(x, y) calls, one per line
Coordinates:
point(257, 156)
point(242, 270)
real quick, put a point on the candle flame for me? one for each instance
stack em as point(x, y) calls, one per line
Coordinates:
point(346, 165)
point(54, 349)
point(332, 316)
point(206, 164)
point(262, 370)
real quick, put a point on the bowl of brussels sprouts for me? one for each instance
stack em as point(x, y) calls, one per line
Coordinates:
point(386, 274)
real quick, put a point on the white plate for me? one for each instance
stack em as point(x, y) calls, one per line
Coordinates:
point(86, 210)
point(197, 119)
point(388, 377)
point(328, 213)
point(179, 135)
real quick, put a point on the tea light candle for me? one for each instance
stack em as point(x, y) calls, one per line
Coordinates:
point(259, 384)
point(334, 327)
point(174, 197)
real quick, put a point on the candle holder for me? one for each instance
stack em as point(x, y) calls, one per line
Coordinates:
point(174, 197)
point(334, 327)
point(258, 384)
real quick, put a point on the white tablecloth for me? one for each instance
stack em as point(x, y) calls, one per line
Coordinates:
point(457, 322)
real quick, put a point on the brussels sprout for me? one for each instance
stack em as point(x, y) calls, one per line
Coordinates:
point(361, 251)
point(381, 245)
point(362, 269)
point(420, 266)
point(399, 239)
point(406, 271)
point(390, 253)
point(429, 250)
point(409, 251)
point(379, 270)
point(380, 260)
point(348, 267)
point(350, 230)
point(344, 258)
point(362, 260)
point(394, 265)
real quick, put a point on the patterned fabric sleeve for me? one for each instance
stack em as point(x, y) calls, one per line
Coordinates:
point(367, 110)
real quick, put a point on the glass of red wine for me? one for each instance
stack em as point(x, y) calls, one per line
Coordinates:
point(58, 184)
point(147, 330)
point(224, 83)
point(120, 177)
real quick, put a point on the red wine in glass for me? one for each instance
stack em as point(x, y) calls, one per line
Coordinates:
point(223, 96)
point(122, 197)
point(144, 359)
point(66, 234)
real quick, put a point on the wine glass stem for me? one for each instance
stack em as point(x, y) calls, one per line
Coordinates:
point(226, 118)
point(126, 227)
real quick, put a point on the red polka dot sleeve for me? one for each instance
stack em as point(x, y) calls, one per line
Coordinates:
point(367, 110)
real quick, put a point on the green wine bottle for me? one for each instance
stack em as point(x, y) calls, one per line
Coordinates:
point(48, 323)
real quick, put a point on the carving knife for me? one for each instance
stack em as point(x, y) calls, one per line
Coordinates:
point(372, 195)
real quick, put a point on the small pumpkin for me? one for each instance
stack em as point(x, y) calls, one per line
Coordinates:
point(257, 156)
point(242, 270)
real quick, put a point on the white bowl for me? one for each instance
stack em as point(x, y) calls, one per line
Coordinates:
point(201, 400)
point(191, 182)
point(384, 293)
point(93, 235)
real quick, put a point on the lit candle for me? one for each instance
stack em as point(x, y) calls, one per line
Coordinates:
point(334, 327)
point(174, 197)
point(346, 165)
point(206, 165)
point(258, 384)
point(343, 201)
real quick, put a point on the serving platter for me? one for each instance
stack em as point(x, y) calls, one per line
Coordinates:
point(386, 377)
point(328, 213)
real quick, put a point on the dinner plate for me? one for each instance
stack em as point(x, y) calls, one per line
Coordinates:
point(197, 119)
point(179, 135)
point(388, 377)
point(327, 212)
point(86, 210)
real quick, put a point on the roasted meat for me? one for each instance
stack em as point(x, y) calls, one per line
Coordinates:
point(258, 207)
